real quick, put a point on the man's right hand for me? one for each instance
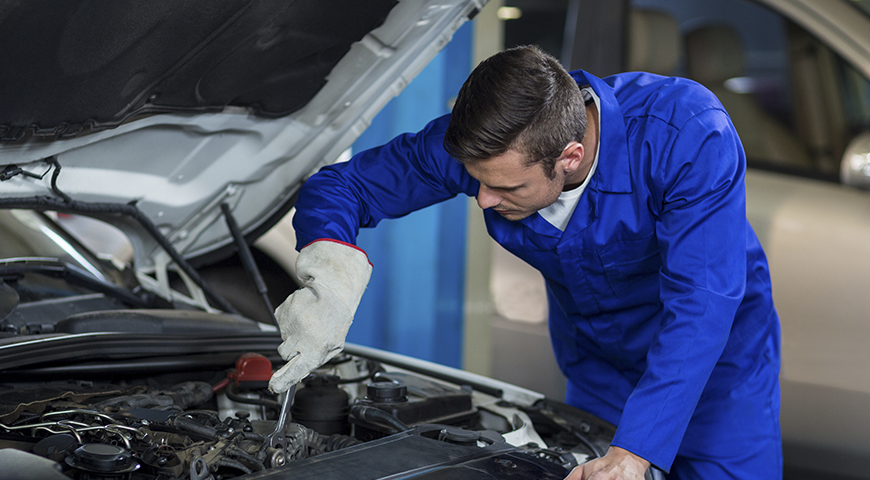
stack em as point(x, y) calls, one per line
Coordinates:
point(616, 464)
point(314, 320)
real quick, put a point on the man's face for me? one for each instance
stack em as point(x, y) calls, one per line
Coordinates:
point(512, 188)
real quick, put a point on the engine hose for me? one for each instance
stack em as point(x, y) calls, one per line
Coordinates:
point(263, 452)
point(234, 451)
point(338, 441)
point(212, 415)
point(233, 394)
point(375, 415)
point(254, 437)
point(192, 426)
point(588, 444)
point(373, 367)
point(190, 394)
point(226, 462)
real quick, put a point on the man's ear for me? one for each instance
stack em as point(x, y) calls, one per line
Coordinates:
point(572, 157)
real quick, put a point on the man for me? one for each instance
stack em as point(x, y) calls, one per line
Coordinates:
point(628, 195)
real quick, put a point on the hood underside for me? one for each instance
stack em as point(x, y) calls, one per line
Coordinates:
point(177, 108)
point(90, 65)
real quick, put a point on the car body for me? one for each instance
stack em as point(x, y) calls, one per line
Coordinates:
point(188, 126)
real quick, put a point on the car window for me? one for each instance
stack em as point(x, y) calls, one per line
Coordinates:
point(795, 102)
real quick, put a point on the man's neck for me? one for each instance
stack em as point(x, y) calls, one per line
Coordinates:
point(590, 149)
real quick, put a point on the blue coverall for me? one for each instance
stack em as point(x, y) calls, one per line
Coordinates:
point(661, 314)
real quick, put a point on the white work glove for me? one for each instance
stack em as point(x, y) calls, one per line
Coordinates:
point(314, 320)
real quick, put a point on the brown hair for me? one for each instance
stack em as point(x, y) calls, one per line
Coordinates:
point(520, 99)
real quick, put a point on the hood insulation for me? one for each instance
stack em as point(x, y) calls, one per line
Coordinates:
point(77, 66)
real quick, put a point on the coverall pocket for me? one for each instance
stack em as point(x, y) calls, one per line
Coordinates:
point(631, 264)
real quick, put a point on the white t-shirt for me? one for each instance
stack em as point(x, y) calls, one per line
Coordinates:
point(560, 212)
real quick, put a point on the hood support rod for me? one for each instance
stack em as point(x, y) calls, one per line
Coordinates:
point(248, 259)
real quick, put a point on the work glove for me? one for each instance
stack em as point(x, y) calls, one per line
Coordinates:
point(314, 320)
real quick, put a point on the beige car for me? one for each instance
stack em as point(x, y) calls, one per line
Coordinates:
point(793, 75)
point(794, 78)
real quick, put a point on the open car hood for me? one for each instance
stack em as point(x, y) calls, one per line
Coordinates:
point(174, 108)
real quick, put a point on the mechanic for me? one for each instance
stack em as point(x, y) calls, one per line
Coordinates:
point(627, 193)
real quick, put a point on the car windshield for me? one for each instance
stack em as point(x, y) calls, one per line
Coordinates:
point(28, 234)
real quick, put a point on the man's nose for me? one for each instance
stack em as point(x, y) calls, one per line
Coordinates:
point(486, 198)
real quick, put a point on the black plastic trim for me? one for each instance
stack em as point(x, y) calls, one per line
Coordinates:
point(50, 350)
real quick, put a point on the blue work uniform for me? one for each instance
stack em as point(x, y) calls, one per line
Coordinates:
point(661, 314)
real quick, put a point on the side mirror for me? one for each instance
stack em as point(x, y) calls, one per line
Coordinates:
point(855, 166)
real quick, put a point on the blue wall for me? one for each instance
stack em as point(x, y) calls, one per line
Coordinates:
point(414, 302)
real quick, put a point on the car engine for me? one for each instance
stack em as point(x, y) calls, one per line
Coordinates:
point(102, 380)
point(353, 418)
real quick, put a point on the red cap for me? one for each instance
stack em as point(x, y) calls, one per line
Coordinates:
point(251, 367)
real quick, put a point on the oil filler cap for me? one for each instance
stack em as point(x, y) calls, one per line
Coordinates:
point(459, 436)
point(387, 392)
point(102, 458)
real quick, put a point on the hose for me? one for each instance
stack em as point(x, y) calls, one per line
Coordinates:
point(192, 426)
point(372, 366)
point(237, 452)
point(375, 415)
point(234, 395)
point(226, 462)
point(338, 441)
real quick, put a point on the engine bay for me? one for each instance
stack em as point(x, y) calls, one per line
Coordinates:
point(101, 379)
point(355, 417)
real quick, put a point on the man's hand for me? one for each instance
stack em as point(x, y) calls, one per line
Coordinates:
point(616, 464)
point(314, 320)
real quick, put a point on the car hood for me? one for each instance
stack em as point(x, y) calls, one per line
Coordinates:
point(175, 108)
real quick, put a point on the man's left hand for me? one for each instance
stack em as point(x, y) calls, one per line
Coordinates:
point(616, 464)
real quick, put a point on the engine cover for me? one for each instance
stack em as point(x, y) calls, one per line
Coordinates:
point(414, 454)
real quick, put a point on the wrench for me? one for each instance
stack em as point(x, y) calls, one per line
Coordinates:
point(276, 438)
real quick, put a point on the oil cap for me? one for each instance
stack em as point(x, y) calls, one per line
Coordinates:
point(458, 436)
point(102, 458)
point(387, 392)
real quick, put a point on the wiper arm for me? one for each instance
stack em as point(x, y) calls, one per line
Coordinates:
point(67, 204)
point(17, 267)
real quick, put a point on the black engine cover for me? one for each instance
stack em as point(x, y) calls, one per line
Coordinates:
point(412, 455)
